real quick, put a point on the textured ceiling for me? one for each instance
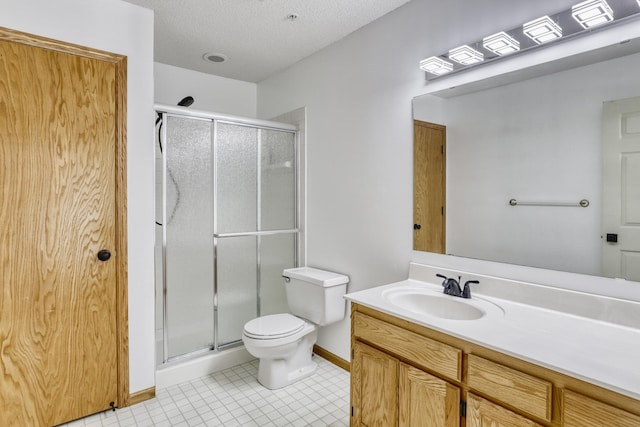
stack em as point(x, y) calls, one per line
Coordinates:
point(256, 36)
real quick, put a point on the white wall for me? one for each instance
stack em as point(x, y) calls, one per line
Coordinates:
point(359, 154)
point(358, 93)
point(537, 140)
point(211, 93)
point(122, 28)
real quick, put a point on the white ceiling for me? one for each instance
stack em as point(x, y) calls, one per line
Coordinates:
point(255, 35)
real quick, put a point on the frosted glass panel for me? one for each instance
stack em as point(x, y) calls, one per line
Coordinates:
point(237, 286)
point(189, 235)
point(277, 252)
point(255, 190)
point(278, 189)
point(237, 188)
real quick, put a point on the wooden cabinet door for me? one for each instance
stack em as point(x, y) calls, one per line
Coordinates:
point(582, 411)
point(482, 413)
point(427, 401)
point(374, 387)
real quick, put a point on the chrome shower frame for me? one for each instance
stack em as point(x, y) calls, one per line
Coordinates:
point(168, 110)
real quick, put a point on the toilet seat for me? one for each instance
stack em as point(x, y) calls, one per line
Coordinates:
point(273, 326)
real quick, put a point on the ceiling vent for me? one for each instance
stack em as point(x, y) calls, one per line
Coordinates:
point(214, 57)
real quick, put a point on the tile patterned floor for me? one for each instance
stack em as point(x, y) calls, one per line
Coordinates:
point(233, 397)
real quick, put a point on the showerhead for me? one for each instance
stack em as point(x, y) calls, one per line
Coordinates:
point(186, 101)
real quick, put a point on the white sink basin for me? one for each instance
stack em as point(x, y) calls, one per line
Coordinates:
point(437, 304)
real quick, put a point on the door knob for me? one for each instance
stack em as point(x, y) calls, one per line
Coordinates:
point(104, 255)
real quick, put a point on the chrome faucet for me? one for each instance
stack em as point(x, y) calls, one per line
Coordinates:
point(452, 286)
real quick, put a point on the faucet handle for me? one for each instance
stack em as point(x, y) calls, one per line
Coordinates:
point(466, 292)
point(444, 278)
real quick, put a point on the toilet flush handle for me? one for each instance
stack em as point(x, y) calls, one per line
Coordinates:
point(286, 279)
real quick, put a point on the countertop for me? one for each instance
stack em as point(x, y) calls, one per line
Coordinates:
point(596, 351)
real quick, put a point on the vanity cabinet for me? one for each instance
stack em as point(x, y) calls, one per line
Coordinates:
point(389, 392)
point(406, 374)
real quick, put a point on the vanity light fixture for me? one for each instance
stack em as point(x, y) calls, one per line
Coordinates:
point(592, 13)
point(584, 17)
point(435, 65)
point(501, 43)
point(466, 55)
point(542, 30)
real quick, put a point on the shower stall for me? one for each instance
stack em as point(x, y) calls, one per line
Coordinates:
point(227, 225)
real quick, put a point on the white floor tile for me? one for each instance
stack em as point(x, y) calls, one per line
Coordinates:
point(234, 397)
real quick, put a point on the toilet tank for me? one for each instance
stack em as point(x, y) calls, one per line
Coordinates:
point(316, 295)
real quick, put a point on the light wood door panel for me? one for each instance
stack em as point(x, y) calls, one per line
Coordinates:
point(374, 387)
point(429, 182)
point(427, 401)
point(58, 338)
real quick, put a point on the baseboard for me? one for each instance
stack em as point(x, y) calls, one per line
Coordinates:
point(141, 396)
point(326, 354)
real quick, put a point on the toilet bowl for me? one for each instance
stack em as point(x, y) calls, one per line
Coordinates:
point(284, 342)
point(284, 345)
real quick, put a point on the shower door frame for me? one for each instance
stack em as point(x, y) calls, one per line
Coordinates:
point(215, 118)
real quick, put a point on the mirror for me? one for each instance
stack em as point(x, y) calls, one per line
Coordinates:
point(537, 140)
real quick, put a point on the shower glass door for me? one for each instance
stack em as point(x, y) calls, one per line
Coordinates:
point(229, 222)
point(255, 221)
point(188, 227)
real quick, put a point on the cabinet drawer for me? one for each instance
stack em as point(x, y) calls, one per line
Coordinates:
point(515, 388)
point(582, 411)
point(481, 412)
point(423, 352)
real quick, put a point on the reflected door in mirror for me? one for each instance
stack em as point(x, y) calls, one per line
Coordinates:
point(621, 199)
point(429, 171)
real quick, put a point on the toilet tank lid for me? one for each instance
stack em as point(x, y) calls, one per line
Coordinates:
point(316, 276)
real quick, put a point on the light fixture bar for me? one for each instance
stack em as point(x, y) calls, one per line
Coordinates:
point(577, 20)
point(542, 30)
point(466, 55)
point(436, 65)
point(592, 13)
point(501, 43)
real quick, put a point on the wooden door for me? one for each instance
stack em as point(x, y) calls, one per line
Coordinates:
point(482, 413)
point(621, 185)
point(61, 203)
point(429, 183)
point(374, 387)
point(427, 401)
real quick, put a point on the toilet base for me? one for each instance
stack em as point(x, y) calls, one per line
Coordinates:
point(272, 381)
point(278, 373)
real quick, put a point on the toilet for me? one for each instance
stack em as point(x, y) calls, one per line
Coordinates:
point(284, 342)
